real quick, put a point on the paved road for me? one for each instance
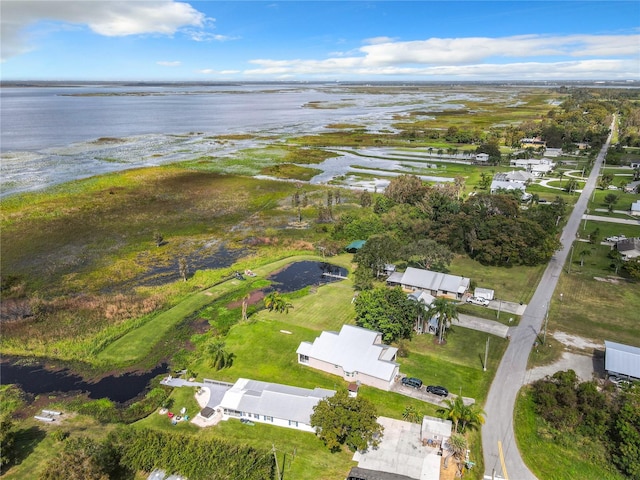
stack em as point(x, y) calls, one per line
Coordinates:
point(512, 370)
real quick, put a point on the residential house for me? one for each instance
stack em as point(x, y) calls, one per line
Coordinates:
point(537, 167)
point(482, 157)
point(436, 283)
point(500, 186)
point(622, 360)
point(272, 403)
point(424, 324)
point(632, 187)
point(635, 208)
point(629, 248)
point(535, 142)
point(514, 176)
point(354, 353)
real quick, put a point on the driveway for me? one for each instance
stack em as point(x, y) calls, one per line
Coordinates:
point(625, 221)
point(421, 394)
point(482, 325)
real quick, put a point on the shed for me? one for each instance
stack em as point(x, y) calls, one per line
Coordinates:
point(483, 293)
point(354, 246)
point(622, 360)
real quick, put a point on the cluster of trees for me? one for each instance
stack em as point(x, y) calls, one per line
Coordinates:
point(130, 450)
point(394, 314)
point(588, 411)
point(343, 420)
point(422, 225)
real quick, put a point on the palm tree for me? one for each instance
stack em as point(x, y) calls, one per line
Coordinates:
point(445, 311)
point(275, 301)
point(457, 445)
point(471, 417)
point(410, 414)
point(584, 253)
point(452, 410)
point(219, 357)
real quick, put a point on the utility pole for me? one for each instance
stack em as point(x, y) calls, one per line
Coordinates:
point(546, 320)
point(486, 354)
point(273, 449)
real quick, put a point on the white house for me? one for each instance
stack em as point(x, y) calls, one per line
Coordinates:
point(436, 283)
point(498, 185)
point(356, 354)
point(280, 405)
point(514, 176)
point(536, 167)
point(424, 324)
point(635, 208)
point(482, 157)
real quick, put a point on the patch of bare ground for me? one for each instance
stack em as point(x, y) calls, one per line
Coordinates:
point(610, 279)
point(576, 342)
point(251, 299)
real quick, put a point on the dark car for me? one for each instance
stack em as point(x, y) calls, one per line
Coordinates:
point(412, 382)
point(437, 390)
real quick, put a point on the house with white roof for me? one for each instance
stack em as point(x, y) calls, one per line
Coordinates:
point(424, 323)
point(622, 360)
point(272, 403)
point(356, 354)
point(537, 167)
point(436, 283)
point(497, 186)
point(635, 208)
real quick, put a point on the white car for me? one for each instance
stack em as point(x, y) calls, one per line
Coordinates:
point(478, 301)
point(616, 238)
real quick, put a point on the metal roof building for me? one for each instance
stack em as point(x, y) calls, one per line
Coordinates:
point(622, 360)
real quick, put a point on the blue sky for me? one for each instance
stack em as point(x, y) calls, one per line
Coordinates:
point(167, 40)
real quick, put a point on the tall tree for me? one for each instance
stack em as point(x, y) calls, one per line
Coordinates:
point(584, 253)
point(610, 200)
point(219, 358)
point(429, 254)
point(445, 311)
point(386, 310)
point(452, 410)
point(344, 420)
point(275, 301)
point(471, 417)
point(376, 252)
point(410, 414)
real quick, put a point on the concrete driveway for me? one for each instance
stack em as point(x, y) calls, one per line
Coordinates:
point(422, 394)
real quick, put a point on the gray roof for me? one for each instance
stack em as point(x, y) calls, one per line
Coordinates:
point(436, 426)
point(357, 473)
point(497, 184)
point(355, 350)
point(622, 359)
point(628, 244)
point(428, 280)
point(274, 400)
point(635, 206)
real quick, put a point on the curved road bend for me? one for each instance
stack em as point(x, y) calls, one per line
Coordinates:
point(511, 374)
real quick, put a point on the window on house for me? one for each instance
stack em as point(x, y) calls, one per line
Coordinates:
point(304, 359)
point(293, 423)
point(268, 418)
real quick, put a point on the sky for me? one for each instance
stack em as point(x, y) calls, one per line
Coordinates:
point(348, 40)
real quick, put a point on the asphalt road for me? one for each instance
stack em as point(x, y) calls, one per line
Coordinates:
point(498, 429)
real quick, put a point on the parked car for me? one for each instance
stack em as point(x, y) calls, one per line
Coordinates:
point(478, 301)
point(412, 382)
point(616, 238)
point(438, 390)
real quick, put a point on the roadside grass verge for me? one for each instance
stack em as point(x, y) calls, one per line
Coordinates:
point(557, 458)
point(515, 284)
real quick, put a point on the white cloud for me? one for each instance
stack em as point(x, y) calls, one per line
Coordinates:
point(210, 71)
point(169, 64)
point(204, 36)
point(613, 56)
point(105, 17)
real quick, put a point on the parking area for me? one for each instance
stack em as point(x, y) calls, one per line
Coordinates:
point(422, 394)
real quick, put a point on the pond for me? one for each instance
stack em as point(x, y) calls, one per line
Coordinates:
point(299, 275)
point(36, 380)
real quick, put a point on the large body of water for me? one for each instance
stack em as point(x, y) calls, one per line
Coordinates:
point(49, 135)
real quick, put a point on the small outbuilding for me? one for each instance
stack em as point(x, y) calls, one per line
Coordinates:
point(483, 293)
point(622, 360)
point(354, 246)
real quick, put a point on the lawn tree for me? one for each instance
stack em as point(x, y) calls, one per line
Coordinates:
point(411, 414)
point(344, 420)
point(485, 181)
point(616, 260)
point(82, 459)
point(386, 310)
point(428, 255)
point(452, 410)
point(445, 311)
point(605, 180)
point(471, 417)
point(7, 440)
point(594, 236)
point(571, 185)
point(457, 446)
point(406, 189)
point(632, 266)
point(276, 302)
point(376, 252)
point(219, 358)
point(610, 200)
point(626, 453)
point(585, 252)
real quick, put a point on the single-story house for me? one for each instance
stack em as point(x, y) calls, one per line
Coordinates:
point(629, 248)
point(273, 403)
point(424, 324)
point(632, 187)
point(622, 360)
point(436, 283)
point(354, 246)
point(356, 354)
point(497, 185)
point(482, 157)
point(537, 167)
point(635, 208)
point(483, 293)
point(513, 176)
point(535, 142)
